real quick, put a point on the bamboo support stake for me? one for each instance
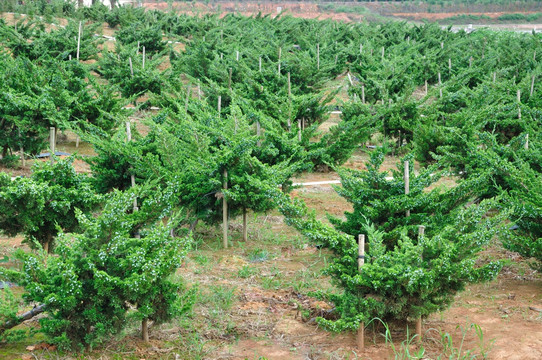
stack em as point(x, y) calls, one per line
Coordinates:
point(225, 212)
point(407, 182)
point(237, 56)
point(363, 94)
point(219, 105)
point(52, 143)
point(299, 129)
point(426, 88)
point(79, 39)
point(450, 64)
point(439, 80)
point(532, 86)
point(442, 44)
point(143, 61)
point(289, 86)
point(361, 261)
point(131, 67)
point(132, 177)
point(526, 146)
point(382, 52)
point(360, 49)
point(260, 64)
point(408, 40)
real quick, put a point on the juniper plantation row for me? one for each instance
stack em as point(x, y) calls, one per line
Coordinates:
point(196, 121)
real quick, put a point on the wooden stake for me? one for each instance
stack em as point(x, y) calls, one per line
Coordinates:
point(199, 91)
point(439, 80)
point(52, 143)
point(519, 103)
point(442, 44)
point(425, 87)
point(494, 77)
point(289, 86)
point(299, 129)
point(143, 61)
point(421, 231)
point(361, 261)
point(145, 330)
point(278, 65)
point(470, 61)
point(532, 86)
point(260, 64)
point(219, 105)
point(382, 52)
point(131, 67)
point(237, 56)
point(188, 88)
point(440, 92)
point(361, 251)
point(22, 150)
point(245, 229)
point(229, 78)
point(407, 182)
point(363, 94)
point(318, 56)
point(526, 146)
point(360, 49)
point(225, 212)
point(79, 39)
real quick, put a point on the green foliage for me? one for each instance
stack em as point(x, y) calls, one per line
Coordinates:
point(45, 203)
point(104, 272)
point(9, 306)
point(146, 36)
point(405, 275)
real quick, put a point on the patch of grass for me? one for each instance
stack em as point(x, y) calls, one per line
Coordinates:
point(258, 255)
point(247, 271)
